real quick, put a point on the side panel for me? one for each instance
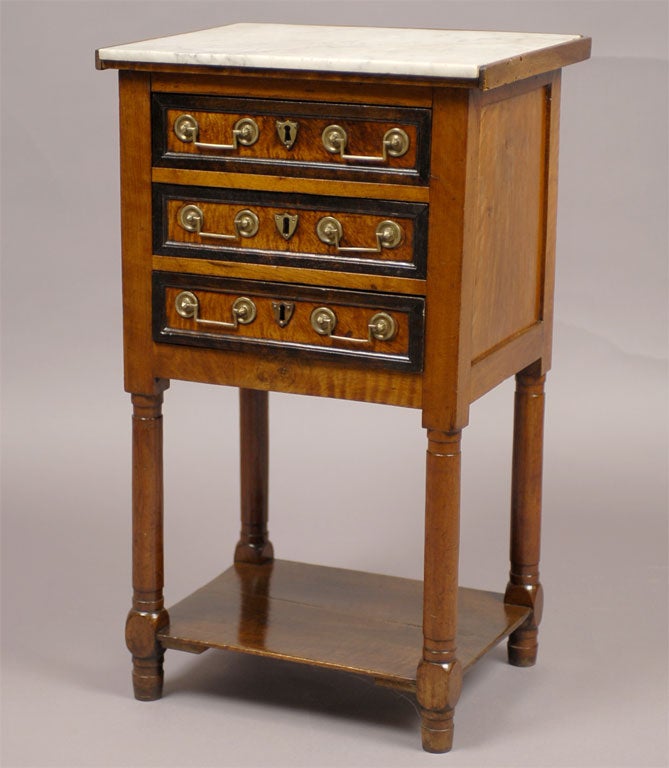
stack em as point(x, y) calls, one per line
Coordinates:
point(514, 257)
point(510, 244)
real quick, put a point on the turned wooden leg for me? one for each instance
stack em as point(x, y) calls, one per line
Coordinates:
point(254, 545)
point(148, 614)
point(524, 587)
point(439, 677)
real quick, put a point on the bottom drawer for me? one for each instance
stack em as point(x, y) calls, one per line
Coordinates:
point(375, 329)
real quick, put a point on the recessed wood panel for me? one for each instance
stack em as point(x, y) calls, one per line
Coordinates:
point(510, 216)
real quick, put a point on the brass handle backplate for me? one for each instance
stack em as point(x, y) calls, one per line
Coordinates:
point(245, 132)
point(389, 234)
point(191, 218)
point(381, 326)
point(395, 143)
point(243, 310)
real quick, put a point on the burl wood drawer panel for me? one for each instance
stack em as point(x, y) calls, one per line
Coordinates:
point(291, 138)
point(374, 329)
point(370, 236)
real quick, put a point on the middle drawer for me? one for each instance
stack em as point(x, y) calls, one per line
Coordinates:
point(384, 237)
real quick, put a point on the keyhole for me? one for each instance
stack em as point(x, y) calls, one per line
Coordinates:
point(286, 226)
point(287, 136)
point(282, 314)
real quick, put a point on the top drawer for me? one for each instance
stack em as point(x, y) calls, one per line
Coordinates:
point(292, 138)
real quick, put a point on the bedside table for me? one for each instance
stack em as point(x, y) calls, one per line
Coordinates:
point(366, 214)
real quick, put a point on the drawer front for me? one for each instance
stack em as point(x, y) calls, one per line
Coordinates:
point(309, 139)
point(371, 329)
point(374, 237)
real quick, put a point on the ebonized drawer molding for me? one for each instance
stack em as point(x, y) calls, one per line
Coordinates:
point(213, 120)
point(359, 220)
point(272, 326)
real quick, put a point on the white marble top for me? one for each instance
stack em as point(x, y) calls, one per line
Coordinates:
point(415, 52)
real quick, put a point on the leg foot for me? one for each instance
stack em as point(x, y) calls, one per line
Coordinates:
point(147, 654)
point(147, 678)
point(438, 687)
point(523, 647)
point(523, 643)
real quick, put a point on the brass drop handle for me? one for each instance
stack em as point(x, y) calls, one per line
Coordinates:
point(245, 132)
point(191, 219)
point(389, 234)
point(395, 143)
point(381, 326)
point(243, 310)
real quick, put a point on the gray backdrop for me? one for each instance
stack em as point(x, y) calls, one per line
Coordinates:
point(598, 694)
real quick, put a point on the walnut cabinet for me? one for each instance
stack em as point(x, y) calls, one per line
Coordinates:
point(364, 214)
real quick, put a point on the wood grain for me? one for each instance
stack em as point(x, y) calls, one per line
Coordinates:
point(524, 587)
point(358, 231)
point(365, 137)
point(513, 355)
point(341, 619)
point(439, 675)
point(265, 336)
point(286, 274)
point(359, 222)
point(550, 219)
point(449, 290)
point(298, 89)
point(483, 162)
point(135, 128)
point(534, 63)
point(148, 614)
point(509, 249)
point(254, 545)
point(281, 373)
point(280, 183)
point(365, 128)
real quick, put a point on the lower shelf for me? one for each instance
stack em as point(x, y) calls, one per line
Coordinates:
point(348, 620)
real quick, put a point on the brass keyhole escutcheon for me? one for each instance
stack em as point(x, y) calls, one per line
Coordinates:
point(282, 312)
point(286, 224)
point(287, 132)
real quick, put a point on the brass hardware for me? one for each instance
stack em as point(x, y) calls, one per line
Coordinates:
point(389, 234)
point(286, 224)
point(191, 219)
point(245, 132)
point(282, 311)
point(395, 144)
point(381, 326)
point(287, 130)
point(243, 310)
point(323, 321)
